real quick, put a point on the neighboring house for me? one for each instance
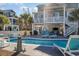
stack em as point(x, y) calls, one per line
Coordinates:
point(11, 15)
point(54, 18)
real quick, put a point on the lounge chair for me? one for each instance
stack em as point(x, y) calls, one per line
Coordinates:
point(45, 34)
point(72, 46)
point(52, 36)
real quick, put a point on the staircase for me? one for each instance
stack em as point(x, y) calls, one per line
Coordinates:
point(71, 29)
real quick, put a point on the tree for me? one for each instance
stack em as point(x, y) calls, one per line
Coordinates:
point(3, 20)
point(20, 22)
point(74, 16)
point(25, 20)
point(1, 12)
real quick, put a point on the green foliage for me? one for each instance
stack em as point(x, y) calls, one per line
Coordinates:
point(74, 15)
point(20, 22)
point(26, 17)
point(4, 19)
point(24, 20)
point(1, 12)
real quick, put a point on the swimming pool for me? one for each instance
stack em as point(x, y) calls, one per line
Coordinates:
point(61, 43)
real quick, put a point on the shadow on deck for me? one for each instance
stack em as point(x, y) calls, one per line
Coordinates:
point(18, 54)
point(52, 51)
point(15, 54)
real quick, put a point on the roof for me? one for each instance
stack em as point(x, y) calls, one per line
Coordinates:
point(9, 10)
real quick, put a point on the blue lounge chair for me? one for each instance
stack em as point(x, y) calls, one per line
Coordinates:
point(45, 33)
point(53, 36)
point(72, 46)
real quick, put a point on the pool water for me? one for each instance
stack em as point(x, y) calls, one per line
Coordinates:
point(61, 43)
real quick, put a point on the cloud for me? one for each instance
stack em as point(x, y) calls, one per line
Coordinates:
point(3, 4)
point(2, 8)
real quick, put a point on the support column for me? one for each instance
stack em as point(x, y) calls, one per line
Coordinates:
point(32, 29)
point(18, 27)
point(64, 20)
point(44, 18)
point(4, 28)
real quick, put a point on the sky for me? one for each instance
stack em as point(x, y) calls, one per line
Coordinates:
point(19, 8)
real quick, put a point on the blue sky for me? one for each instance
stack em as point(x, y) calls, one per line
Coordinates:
point(18, 7)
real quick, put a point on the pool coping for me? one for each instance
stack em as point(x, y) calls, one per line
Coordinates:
point(34, 44)
point(45, 38)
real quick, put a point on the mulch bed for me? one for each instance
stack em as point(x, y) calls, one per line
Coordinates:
point(5, 53)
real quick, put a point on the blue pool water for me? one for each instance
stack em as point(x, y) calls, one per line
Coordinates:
point(61, 43)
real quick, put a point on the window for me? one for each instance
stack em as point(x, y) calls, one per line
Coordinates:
point(1, 21)
point(11, 14)
point(14, 21)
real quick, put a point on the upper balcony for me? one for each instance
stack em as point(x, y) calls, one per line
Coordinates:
point(55, 19)
point(59, 19)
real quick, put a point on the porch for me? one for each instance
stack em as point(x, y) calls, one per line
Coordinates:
point(52, 28)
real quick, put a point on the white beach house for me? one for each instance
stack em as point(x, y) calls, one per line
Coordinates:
point(54, 17)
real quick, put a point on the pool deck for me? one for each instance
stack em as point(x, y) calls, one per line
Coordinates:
point(34, 50)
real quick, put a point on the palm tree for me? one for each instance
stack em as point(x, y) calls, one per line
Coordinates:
point(26, 20)
point(74, 17)
point(20, 22)
point(3, 20)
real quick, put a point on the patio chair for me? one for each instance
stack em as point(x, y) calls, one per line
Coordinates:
point(53, 36)
point(72, 46)
point(45, 34)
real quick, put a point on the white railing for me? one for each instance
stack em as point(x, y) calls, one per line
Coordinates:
point(54, 19)
point(70, 23)
point(72, 27)
point(38, 20)
point(70, 30)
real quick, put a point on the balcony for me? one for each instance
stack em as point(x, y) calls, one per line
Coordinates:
point(59, 19)
point(54, 19)
point(38, 20)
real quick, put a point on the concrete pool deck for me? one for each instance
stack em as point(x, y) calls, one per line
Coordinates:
point(34, 50)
